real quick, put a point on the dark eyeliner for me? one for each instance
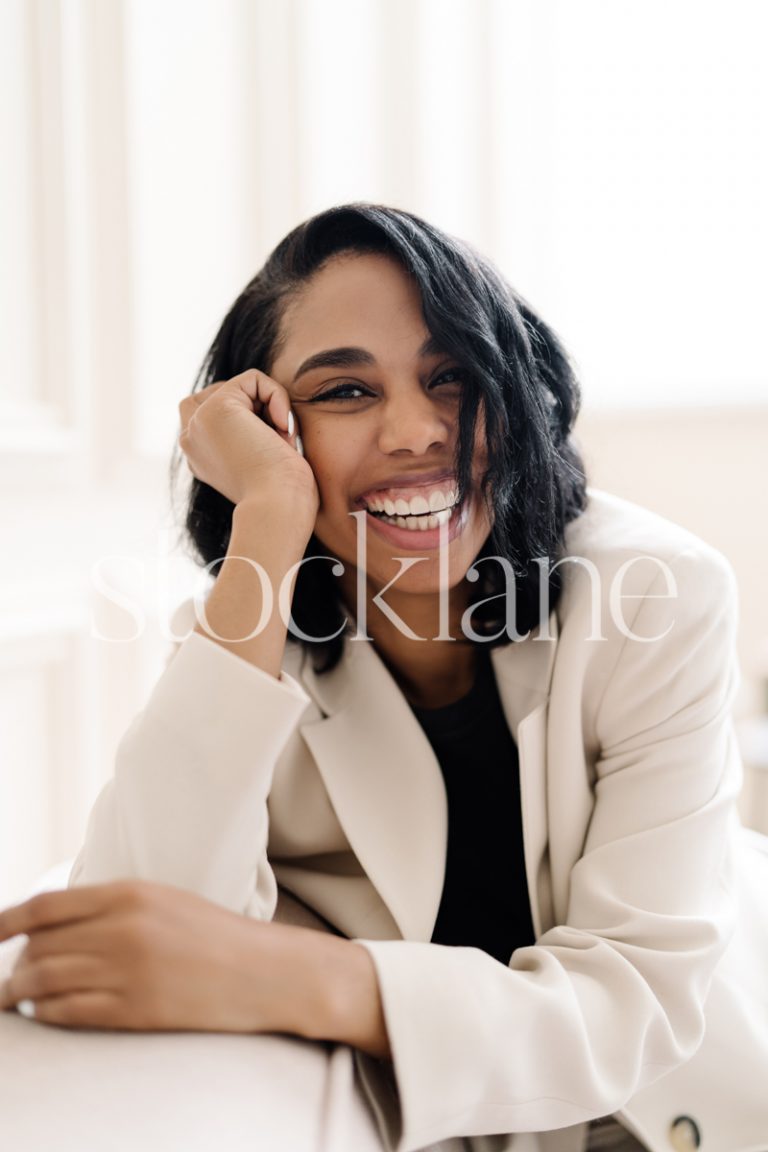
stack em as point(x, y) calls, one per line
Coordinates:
point(335, 393)
point(457, 372)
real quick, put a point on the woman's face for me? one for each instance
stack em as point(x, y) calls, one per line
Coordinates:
point(378, 410)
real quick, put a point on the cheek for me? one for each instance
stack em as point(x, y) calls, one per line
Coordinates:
point(334, 458)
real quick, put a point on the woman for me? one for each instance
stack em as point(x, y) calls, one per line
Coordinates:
point(445, 766)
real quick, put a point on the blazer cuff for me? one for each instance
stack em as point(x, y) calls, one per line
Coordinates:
point(236, 697)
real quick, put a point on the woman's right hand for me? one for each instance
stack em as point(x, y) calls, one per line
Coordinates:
point(240, 436)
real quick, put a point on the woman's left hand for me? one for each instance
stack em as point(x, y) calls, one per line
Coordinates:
point(148, 957)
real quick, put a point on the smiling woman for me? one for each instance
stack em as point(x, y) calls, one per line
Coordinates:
point(445, 765)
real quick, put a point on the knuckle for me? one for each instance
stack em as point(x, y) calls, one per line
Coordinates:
point(138, 901)
point(132, 893)
point(139, 951)
point(100, 1013)
point(44, 979)
point(139, 1000)
point(34, 948)
point(49, 1013)
point(41, 907)
point(22, 984)
point(75, 1011)
point(128, 941)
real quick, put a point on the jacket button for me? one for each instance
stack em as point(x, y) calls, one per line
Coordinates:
point(684, 1135)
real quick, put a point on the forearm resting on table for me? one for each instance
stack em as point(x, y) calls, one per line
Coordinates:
point(276, 541)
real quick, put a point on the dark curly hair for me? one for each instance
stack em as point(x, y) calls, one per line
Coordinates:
point(516, 368)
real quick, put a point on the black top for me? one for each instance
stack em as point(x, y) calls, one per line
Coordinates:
point(485, 894)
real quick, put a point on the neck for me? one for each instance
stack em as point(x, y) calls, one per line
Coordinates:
point(428, 656)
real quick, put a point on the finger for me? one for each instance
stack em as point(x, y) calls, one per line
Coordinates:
point(188, 404)
point(205, 392)
point(263, 390)
point(280, 412)
point(298, 443)
point(265, 396)
point(79, 936)
point(80, 1010)
point(51, 908)
point(53, 976)
point(284, 418)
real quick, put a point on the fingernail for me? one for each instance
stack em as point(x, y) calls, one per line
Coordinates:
point(291, 422)
point(299, 445)
point(26, 1008)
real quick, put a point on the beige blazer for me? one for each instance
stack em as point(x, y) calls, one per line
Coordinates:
point(235, 785)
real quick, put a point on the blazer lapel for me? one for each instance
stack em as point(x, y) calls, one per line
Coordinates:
point(384, 783)
point(381, 774)
point(523, 674)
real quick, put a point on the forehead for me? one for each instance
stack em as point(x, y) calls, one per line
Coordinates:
point(363, 299)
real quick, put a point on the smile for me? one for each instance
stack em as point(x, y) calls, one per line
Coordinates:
point(415, 509)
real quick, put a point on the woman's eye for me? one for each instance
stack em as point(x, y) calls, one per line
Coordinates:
point(451, 376)
point(341, 392)
point(351, 390)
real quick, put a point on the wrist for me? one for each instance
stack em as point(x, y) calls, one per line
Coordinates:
point(245, 611)
point(290, 515)
point(336, 993)
point(344, 999)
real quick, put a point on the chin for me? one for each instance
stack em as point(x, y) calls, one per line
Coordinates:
point(423, 578)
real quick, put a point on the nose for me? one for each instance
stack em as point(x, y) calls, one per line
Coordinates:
point(412, 422)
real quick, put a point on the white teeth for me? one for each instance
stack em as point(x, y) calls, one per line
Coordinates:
point(419, 510)
point(416, 506)
point(420, 523)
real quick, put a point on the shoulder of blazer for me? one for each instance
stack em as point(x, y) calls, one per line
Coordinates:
point(612, 530)
point(620, 549)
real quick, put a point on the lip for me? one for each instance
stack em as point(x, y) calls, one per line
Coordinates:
point(404, 480)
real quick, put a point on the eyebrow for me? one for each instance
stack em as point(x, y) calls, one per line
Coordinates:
point(351, 357)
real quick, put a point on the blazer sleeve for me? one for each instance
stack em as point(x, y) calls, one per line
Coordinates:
point(611, 999)
point(187, 804)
